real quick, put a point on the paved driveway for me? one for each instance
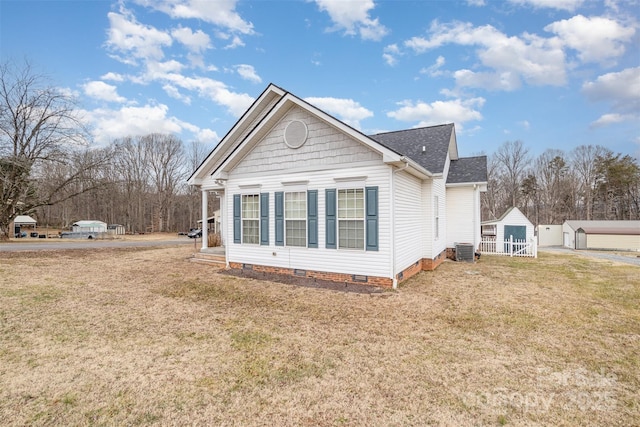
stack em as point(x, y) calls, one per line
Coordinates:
point(61, 244)
point(632, 258)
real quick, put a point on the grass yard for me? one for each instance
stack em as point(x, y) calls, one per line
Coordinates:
point(143, 337)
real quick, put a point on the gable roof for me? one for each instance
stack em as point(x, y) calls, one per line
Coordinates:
point(605, 226)
point(435, 139)
point(24, 219)
point(424, 150)
point(504, 215)
point(468, 169)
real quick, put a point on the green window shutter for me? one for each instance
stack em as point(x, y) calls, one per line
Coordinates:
point(371, 202)
point(312, 218)
point(237, 222)
point(279, 215)
point(264, 218)
point(330, 207)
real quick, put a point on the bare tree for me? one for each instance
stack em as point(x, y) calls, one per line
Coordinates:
point(584, 163)
point(38, 126)
point(513, 160)
point(166, 169)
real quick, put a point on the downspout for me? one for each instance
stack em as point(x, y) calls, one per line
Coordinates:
point(393, 222)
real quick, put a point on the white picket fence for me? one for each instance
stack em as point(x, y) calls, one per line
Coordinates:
point(512, 247)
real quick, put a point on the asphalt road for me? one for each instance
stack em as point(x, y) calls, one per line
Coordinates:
point(60, 244)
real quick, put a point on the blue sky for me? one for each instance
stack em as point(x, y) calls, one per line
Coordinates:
point(552, 73)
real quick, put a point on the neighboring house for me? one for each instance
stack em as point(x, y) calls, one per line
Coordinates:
point(512, 223)
point(303, 193)
point(89, 226)
point(608, 235)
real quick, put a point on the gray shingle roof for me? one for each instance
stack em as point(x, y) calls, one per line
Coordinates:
point(436, 140)
point(468, 169)
point(410, 142)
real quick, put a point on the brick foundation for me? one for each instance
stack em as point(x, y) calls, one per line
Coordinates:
point(424, 264)
point(356, 279)
point(432, 264)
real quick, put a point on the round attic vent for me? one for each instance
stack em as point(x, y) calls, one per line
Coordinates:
point(295, 134)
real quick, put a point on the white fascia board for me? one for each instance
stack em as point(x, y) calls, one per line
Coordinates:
point(469, 184)
point(200, 174)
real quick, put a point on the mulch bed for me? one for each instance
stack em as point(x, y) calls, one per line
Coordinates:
point(304, 281)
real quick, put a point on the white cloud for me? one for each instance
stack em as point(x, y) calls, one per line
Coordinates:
point(622, 90)
point(247, 72)
point(102, 91)
point(353, 17)
point(114, 77)
point(135, 41)
point(194, 41)
point(435, 69)
point(457, 111)
point(568, 5)
point(613, 118)
point(110, 124)
point(476, 3)
point(220, 12)
point(525, 124)
point(596, 39)
point(174, 93)
point(347, 110)
point(536, 60)
point(207, 136)
point(391, 53)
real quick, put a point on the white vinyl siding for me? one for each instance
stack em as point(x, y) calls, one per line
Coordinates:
point(295, 218)
point(351, 218)
point(462, 227)
point(409, 220)
point(368, 263)
point(251, 218)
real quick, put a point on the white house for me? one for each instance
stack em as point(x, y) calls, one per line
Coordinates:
point(303, 193)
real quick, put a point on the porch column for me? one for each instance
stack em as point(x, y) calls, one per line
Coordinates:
point(205, 223)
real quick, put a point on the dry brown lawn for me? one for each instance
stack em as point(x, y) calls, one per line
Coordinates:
point(144, 337)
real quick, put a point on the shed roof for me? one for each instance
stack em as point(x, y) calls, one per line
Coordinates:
point(606, 227)
point(24, 219)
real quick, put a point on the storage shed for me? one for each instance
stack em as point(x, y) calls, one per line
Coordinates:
point(512, 223)
point(601, 234)
point(21, 222)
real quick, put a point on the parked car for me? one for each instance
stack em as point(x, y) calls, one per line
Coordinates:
point(195, 232)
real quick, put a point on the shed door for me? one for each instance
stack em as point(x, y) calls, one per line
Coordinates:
point(519, 232)
point(581, 239)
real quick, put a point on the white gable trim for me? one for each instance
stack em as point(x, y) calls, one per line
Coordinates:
point(231, 137)
point(217, 167)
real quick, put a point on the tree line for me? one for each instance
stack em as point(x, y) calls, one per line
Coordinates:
point(49, 168)
point(589, 182)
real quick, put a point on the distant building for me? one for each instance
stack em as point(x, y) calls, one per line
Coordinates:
point(89, 226)
point(608, 235)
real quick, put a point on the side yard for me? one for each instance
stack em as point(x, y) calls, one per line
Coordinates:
point(140, 336)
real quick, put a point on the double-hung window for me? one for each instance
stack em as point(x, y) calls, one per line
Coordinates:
point(295, 218)
point(351, 217)
point(251, 218)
